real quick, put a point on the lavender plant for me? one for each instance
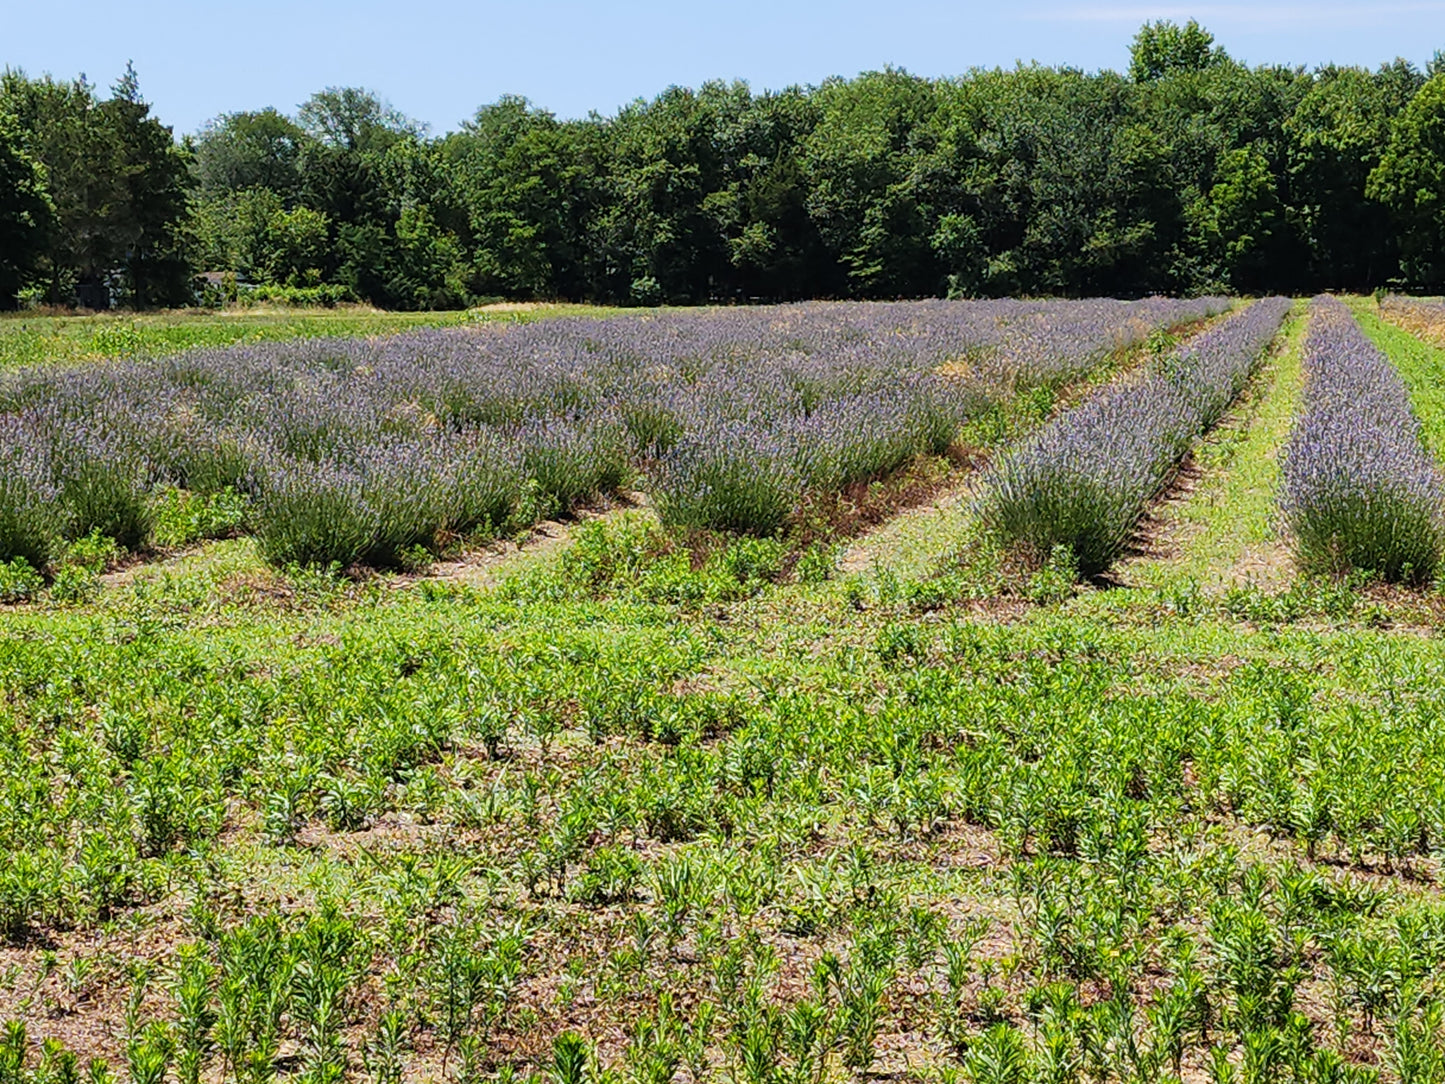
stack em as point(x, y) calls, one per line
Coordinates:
point(727, 477)
point(571, 461)
point(1085, 480)
point(1360, 490)
point(103, 480)
point(357, 450)
point(29, 512)
point(315, 514)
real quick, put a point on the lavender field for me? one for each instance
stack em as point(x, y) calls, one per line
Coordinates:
point(345, 451)
point(1108, 747)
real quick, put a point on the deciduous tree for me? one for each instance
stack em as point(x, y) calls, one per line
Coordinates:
point(1410, 180)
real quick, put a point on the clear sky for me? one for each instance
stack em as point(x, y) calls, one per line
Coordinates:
point(437, 60)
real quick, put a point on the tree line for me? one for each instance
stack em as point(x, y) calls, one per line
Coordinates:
point(1190, 173)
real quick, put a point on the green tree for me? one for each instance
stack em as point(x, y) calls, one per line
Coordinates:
point(63, 128)
point(26, 212)
point(1240, 221)
point(1336, 136)
point(232, 231)
point(859, 161)
point(355, 119)
point(1047, 181)
point(1199, 117)
point(386, 191)
point(294, 247)
point(1410, 181)
point(1165, 48)
point(527, 187)
point(238, 151)
point(656, 237)
point(426, 266)
point(348, 131)
point(151, 222)
point(119, 184)
point(760, 209)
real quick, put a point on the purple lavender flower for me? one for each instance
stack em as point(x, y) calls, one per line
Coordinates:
point(822, 394)
point(30, 523)
point(1085, 479)
point(1360, 490)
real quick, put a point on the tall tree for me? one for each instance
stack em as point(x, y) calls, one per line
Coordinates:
point(64, 129)
point(119, 185)
point(1410, 180)
point(26, 212)
point(529, 188)
point(237, 151)
point(1336, 136)
point(1200, 117)
point(153, 216)
point(355, 119)
point(760, 208)
point(859, 162)
point(1240, 221)
point(656, 233)
point(1166, 48)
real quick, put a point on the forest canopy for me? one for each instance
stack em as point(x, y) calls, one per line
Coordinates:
point(1191, 173)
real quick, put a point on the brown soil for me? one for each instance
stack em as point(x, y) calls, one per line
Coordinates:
point(509, 306)
point(489, 565)
point(1424, 320)
point(1161, 533)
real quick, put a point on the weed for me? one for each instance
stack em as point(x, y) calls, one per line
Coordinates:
point(19, 582)
point(182, 517)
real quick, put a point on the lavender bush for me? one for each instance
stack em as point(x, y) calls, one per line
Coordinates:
point(1360, 490)
point(315, 514)
point(393, 498)
point(30, 524)
point(728, 477)
point(569, 461)
point(354, 449)
point(1084, 481)
point(104, 485)
point(483, 481)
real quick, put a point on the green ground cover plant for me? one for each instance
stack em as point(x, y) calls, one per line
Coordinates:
point(29, 339)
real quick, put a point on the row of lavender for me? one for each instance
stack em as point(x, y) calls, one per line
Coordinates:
point(1360, 489)
point(1084, 481)
point(359, 450)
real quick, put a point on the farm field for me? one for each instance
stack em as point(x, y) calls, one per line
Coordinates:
point(27, 339)
point(1000, 691)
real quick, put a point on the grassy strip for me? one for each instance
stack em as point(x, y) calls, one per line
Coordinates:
point(1421, 366)
point(944, 530)
point(33, 340)
point(1233, 509)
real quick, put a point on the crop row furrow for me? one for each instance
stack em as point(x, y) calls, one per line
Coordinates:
point(1084, 481)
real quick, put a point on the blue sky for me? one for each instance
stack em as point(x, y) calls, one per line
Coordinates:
point(437, 60)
